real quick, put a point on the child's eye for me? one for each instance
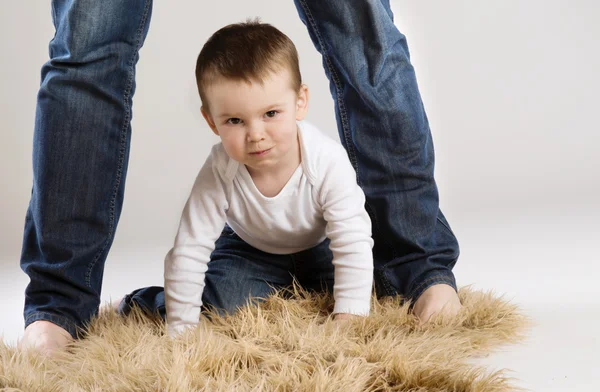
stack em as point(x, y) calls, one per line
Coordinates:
point(234, 121)
point(271, 113)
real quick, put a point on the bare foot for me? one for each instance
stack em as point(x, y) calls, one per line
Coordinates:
point(45, 337)
point(439, 298)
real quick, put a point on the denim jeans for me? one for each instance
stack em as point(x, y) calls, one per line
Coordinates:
point(238, 272)
point(82, 135)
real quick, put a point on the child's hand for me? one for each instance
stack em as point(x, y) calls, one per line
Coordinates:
point(344, 316)
point(177, 330)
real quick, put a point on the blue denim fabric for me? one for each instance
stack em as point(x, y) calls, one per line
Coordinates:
point(82, 135)
point(384, 128)
point(80, 154)
point(238, 272)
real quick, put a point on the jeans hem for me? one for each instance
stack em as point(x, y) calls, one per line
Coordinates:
point(61, 321)
point(439, 277)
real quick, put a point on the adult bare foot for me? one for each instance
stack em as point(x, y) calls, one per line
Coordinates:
point(45, 337)
point(439, 298)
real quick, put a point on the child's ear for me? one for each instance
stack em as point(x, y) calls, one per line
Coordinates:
point(302, 103)
point(209, 120)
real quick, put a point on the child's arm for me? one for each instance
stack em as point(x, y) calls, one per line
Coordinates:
point(349, 229)
point(202, 221)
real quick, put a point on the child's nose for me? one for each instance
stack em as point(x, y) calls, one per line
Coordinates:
point(256, 133)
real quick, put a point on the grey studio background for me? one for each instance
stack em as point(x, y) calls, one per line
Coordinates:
point(511, 89)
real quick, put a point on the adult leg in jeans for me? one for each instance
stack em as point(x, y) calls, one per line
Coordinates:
point(81, 149)
point(384, 128)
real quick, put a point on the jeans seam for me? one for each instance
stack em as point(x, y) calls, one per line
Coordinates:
point(445, 225)
point(54, 16)
point(337, 84)
point(343, 112)
point(389, 288)
point(123, 138)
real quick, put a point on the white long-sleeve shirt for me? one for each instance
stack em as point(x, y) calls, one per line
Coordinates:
point(321, 199)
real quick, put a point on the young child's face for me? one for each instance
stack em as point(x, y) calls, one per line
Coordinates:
point(257, 123)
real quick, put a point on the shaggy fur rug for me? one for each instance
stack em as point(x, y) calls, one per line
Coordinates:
point(281, 345)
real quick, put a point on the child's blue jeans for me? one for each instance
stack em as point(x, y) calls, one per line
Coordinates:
point(82, 139)
point(237, 272)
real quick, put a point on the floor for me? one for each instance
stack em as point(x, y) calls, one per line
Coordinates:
point(547, 265)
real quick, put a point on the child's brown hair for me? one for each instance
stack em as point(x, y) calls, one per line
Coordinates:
point(248, 52)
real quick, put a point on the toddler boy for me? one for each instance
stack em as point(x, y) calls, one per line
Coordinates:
point(276, 199)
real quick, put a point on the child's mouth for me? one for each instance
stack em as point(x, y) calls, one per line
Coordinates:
point(260, 153)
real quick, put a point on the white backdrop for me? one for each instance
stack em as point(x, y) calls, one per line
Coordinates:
point(511, 89)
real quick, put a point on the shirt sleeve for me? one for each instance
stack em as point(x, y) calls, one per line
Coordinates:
point(185, 265)
point(349, 230)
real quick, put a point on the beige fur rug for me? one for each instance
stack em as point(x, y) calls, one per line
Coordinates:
point(281, 345)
